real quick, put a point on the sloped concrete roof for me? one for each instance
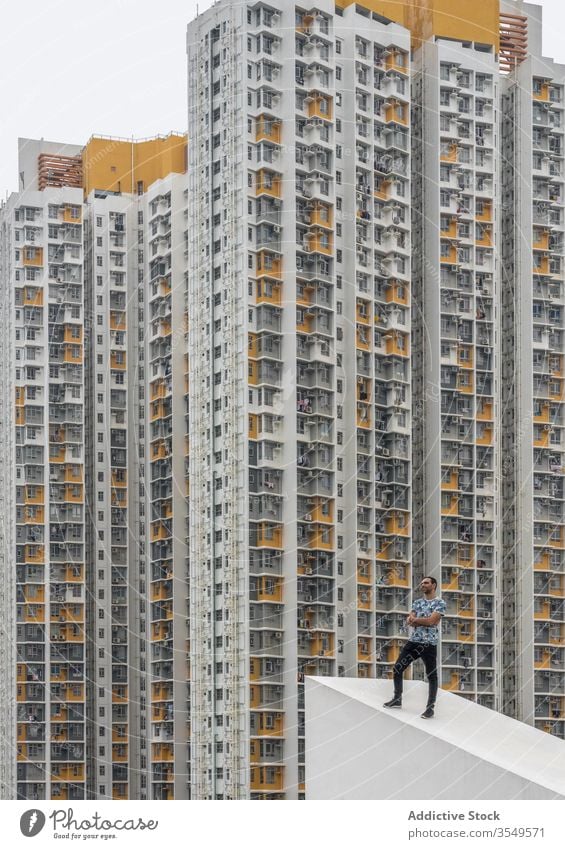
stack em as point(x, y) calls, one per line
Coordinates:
point(356, 749)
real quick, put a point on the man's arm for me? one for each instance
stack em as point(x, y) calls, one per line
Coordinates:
point(428, 620)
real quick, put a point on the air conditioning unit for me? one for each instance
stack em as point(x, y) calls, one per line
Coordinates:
point(278, 635)
point(385, 452)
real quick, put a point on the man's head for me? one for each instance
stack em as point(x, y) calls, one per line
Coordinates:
point(428, 585)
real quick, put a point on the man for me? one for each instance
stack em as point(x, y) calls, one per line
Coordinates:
point(424, 619)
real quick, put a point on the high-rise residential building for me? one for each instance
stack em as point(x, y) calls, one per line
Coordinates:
point(532, 381)
point(250, 399)
point(93, 261)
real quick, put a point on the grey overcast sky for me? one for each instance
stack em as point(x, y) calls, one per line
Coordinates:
point(115, 67)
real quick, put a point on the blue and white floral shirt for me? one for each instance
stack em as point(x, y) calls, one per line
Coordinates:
point(424, 608)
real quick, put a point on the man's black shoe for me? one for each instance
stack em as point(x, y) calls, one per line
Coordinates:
point(394, 703)
point(428, 713)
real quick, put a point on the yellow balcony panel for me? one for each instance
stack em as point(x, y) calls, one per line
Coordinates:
point(541, 561)
point(467, 612)
point(397, 525)
point(72, 214)
point(162, 752)
point(159, 531)
point(74, 494)
point(119, 478)
point(117, 360)
point(33, 613)
point(120, 753)
point(254, 668)
point(20, 416)
point(544, 662)
point(452, 509)
point(557, 590)
point(158, 390)
point(252, 346)
point(253, 426)
point(397, 344)
point(33, 297)
point(397, 112)
point(465, 383)
point(20, 395)
point(449, 231)
point(34, 494)
point(485, 238)
point(73, 334)
point(33, 257)
point(120, 793)
point(485, 212)
point(541, 240)
point(322, 215)
point(322, 538)
point(73, 474)
point(362, 339)
point(464, 356)
point(269, 265)
point(397, 61)
point(305, 321)
point(269, 293)
point(320, 106)
point(541, 265)
point(484, 413)
point(72, 354)
point(57, 454)
point(269, 589)
point(449, 254)
point(34, 554)
point(466, 633)
point(266, 779)
point(364, 572)
point(451, 482)
point(268, 183)
point(364, 599)
point(160, 631)
point(453, 683)
point(363, 312)
point(396, 293)
point(449, 153)
point(161, 591)
point(119, 694)
point(543, 611)
point(268, 129)
point(269, 536)
point(270, 725)
point(486, 438)
point(74, 693)
point(363, 418)
point(319, 242)
point(542, 93)
point(365, 650)
point(542, 440)
point(117, 320)
point(68, 772)
point(252, 372)
point(34, 593)
point(323, 511)
point(382, 188)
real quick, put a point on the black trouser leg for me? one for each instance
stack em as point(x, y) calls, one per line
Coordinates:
point(429, 656)
point(410, 652)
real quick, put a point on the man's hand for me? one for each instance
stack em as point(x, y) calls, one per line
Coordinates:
point(410, 619)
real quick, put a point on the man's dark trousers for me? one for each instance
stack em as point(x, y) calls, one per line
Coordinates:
point(411, 652)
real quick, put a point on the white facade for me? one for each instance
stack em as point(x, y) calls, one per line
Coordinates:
point(356, 749)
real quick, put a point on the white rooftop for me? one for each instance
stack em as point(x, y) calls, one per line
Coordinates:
point(357, 749)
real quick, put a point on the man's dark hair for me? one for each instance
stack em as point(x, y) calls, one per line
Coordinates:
point(433, 580)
